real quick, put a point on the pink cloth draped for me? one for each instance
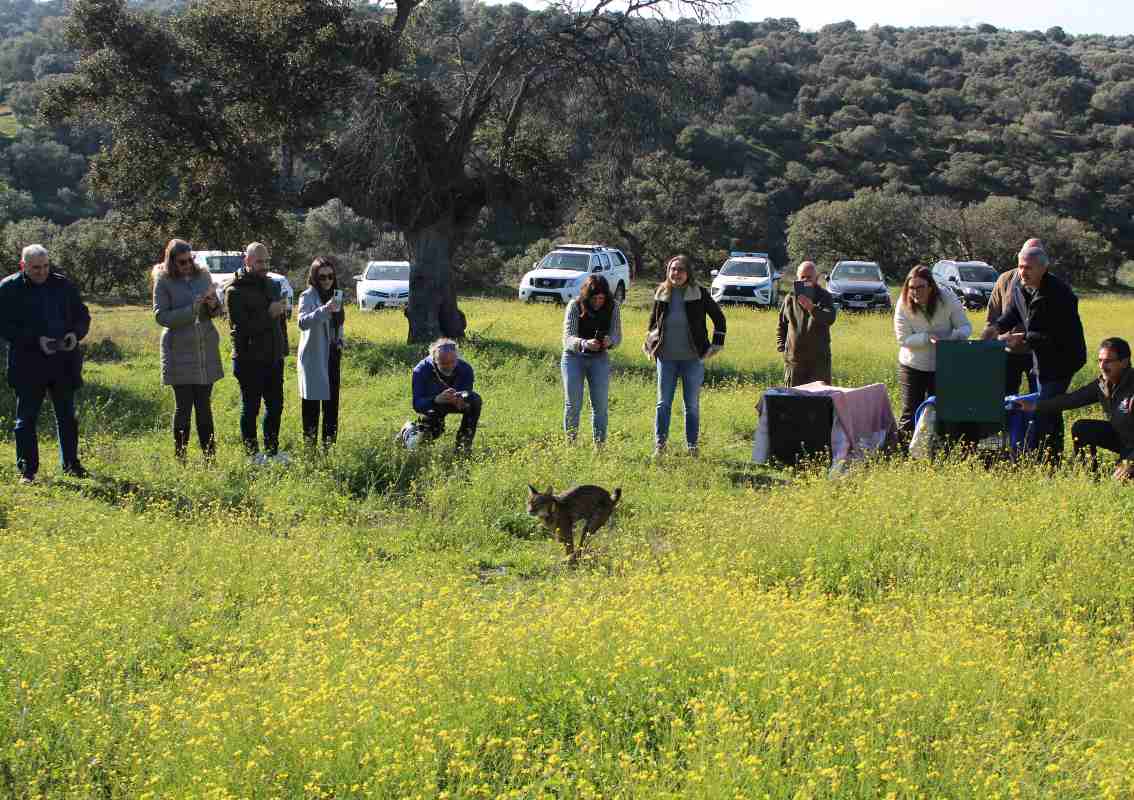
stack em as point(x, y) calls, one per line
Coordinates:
point(864, 414)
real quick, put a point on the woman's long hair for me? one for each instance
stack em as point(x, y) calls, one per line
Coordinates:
point(923, 272)
point(166, 267)
point(596, 284)
point(686, 262)
point(320, 263)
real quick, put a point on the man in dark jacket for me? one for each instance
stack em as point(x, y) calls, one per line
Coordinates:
point(804, 334)
point(1048, 312)
point(443, 385)
point(257, 317)
point(1114, 391)
point(43, 318)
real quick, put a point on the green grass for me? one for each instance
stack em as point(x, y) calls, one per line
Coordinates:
point(380, 624)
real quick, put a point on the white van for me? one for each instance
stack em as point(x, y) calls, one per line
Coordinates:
point(559, 275)
point(971, 281)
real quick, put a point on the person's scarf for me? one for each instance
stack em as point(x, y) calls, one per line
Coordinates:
point(601, 317)
point(337, 317)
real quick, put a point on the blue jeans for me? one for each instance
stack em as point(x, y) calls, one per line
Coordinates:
point(260, 381)
point(1047, 432)
point(692, 374)
point(595, 370)
point(29, 401)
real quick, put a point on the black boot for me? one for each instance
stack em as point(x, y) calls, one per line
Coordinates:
point(207, 438)
point(180, 443)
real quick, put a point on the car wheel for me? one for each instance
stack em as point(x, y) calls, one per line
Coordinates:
point(620, 292)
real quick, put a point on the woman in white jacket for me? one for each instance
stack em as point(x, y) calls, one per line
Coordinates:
point(923, 316)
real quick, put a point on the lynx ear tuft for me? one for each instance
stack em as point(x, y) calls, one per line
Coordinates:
point(532, 489)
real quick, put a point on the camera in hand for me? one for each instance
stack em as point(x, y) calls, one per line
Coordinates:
point(465, 395)
point(803, 289)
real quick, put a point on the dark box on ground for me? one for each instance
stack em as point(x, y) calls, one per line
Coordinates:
point(799, 427)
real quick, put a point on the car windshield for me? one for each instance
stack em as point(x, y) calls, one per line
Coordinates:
point(579, 262)
point(745, 269)
point(978, 274)
point(387, 272)
point(857, 272)
point(224, 265)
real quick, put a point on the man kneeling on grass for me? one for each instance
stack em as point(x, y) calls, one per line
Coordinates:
point(443, 385)
point(1114, 391)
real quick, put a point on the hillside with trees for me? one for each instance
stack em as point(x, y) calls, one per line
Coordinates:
point(345, 128)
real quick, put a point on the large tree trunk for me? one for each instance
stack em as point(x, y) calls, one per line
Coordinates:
point(432, 311)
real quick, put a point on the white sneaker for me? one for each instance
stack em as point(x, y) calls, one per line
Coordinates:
point(283, 459)
point(258, 459)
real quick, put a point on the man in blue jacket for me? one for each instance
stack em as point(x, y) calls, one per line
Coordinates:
point(443, 385)
point(43, 319)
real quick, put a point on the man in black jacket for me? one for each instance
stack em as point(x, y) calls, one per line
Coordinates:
point(257, 317)
point(43, 318)
point(1048, 312)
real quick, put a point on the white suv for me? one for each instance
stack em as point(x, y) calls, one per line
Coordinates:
point(559, 275)
point(222, 265)
point(747, 278)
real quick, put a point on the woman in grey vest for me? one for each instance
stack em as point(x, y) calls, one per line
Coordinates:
point(185, 303)
point(591, 326)
point(321, 320)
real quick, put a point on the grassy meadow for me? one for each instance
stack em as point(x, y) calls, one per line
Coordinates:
point(376, 623)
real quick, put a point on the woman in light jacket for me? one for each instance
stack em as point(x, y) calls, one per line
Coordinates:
point(592, 325)
point(320, 351)
point(185, 303)
point(923, 316)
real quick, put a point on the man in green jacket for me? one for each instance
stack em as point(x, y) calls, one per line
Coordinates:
point(804, 334)
point(256, 315)
point(1114, 391)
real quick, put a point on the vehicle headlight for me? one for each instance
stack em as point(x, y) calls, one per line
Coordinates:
point(971, 290)
point(882, 295)
point(374, 293)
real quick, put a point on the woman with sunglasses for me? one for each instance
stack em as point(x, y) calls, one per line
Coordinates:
point(321, 318)
point(592, 325)
point(185, 303)
point(923, 316)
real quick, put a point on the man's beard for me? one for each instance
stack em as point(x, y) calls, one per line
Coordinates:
point(446, 372)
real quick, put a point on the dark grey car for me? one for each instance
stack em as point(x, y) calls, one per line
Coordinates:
point(858, 285)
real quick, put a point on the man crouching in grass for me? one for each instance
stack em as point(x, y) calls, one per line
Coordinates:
point(443, 385)
point(1114, 391)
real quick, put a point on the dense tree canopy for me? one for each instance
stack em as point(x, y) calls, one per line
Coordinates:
point(226, 120)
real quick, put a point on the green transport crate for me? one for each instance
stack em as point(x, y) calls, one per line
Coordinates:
point(970, 387)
